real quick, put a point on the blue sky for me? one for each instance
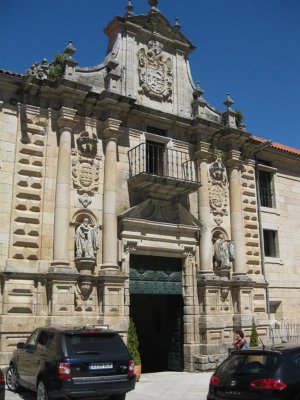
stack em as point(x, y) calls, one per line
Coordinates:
point(249, 48)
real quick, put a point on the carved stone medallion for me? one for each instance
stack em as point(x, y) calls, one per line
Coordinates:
point(86, 175)
point(155, 72)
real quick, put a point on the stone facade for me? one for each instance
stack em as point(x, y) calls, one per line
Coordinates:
point(127, 159)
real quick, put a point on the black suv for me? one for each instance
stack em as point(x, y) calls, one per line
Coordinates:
point(72, 363)
point(258, 374)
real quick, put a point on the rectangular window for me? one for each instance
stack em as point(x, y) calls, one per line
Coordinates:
point(156, 131)
point(266, 188)
point(94, 344)
point(270, 243)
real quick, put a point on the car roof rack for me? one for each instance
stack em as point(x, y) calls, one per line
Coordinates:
point(83, 327)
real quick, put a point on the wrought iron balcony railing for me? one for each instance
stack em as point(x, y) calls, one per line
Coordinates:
point(156, 159)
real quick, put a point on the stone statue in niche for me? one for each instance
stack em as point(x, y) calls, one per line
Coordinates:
point(87, 240)
point(224, 254)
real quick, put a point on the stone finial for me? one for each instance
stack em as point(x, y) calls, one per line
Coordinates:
point(198, 91)
point(69, 50)
point(153, 4)
point(229, 116)
point(129, 8)
point(228, 102)
point(177, 24)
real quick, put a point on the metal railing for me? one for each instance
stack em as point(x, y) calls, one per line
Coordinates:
point(285, 332)
point(156, 159)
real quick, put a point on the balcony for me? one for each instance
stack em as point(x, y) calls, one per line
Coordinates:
point(161, 173)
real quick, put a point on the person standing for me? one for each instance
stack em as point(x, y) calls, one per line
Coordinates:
point(240, 343)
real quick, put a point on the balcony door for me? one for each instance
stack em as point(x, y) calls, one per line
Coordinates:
point(155, 158)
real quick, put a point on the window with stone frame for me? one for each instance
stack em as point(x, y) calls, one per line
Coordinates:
point(266, 184)
point(270, 243)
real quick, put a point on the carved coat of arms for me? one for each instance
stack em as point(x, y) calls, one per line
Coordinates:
point(86, 164)
point(155, 72)
point(218, 189)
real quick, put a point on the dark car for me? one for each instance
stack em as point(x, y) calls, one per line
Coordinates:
point(258, 375)
point(72, 363)
point(2, 386)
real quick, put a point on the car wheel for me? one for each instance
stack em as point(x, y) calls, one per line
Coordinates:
point(118, 397)
point(42, 393)
point(12, 379)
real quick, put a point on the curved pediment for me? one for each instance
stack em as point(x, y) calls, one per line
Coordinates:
point(153, 25)
point(161, 211)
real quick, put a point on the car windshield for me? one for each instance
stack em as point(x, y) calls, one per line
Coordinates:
point(248, 363)
point(94, 344)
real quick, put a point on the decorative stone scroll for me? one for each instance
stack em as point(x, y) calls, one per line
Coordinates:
point(218, 195)
point(155, 72)
point(85, 200)
point(83, 296)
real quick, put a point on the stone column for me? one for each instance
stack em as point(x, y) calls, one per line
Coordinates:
point(110, 222)
point(62, 196)
point(236, 214)
point(205, 246)
point(191, 311)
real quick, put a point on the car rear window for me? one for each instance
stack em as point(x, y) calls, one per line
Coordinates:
point(249, 363)
point(94, 344)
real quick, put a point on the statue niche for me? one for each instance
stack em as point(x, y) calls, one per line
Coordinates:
point(86, 245)
point(224, 254)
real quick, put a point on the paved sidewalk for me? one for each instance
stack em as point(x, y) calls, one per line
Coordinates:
point(171, 386)
point(154, 386)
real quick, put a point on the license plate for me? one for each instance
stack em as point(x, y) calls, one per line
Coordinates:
point(104, 365)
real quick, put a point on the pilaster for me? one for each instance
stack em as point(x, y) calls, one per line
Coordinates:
point(205, 247)
point(110, 222)
point(66, 123)
point(236, 214)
